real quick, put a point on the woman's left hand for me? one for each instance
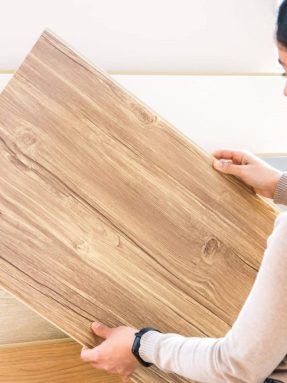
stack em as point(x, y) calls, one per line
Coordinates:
point(114, 354)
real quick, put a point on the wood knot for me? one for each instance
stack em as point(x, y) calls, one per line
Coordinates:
point(210, 248)
point(143, 114)
point(82, 246)
point(28, 138)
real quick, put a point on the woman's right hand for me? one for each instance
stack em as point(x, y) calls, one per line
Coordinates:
point(255, 172)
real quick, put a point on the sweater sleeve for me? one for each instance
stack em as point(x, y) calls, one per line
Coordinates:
point(280, 195)
point(260, 329)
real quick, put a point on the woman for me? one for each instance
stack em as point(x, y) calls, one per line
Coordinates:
point(255, 348)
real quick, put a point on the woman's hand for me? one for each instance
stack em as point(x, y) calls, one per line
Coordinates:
point(255, 172)
point(114, 353)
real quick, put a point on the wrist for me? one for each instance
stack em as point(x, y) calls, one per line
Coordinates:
point(149, 345)
point(137, 345)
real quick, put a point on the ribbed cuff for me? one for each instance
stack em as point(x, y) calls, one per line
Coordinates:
point(280, 194)
point(147, 346)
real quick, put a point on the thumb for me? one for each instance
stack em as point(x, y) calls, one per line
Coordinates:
point(227, 167)
point(101, 330)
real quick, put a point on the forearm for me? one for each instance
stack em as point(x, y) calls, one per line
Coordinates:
point(261, 326)
point(186, 356)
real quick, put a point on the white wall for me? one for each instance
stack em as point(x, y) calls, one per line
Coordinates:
point(172, 36)
point(147, 36)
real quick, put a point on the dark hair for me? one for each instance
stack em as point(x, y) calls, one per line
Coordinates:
point(281, 33)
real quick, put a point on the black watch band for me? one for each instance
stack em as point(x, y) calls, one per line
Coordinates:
point(137, 343)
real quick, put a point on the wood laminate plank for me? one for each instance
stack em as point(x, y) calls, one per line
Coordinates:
point(173, 96)
point(54, 361)
point(108, 212)
point(18, 323)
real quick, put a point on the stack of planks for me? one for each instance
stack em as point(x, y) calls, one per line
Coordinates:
point(109, 213)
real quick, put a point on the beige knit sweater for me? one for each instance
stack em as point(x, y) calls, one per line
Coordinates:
point(256, 346)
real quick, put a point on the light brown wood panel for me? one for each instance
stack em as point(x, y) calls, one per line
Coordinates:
point(108, 212)
point(54, 361)
point(18, 323)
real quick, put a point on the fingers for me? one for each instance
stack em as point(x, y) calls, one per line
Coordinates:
point(125, 377)
point(236, 156)
point(232, 161)
point(228, 167)
point(101, 330)
point(89, 354)
point(93, 356)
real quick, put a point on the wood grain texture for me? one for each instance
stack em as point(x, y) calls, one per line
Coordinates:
point(18, 323)
point(108, 212)
point(54, 361)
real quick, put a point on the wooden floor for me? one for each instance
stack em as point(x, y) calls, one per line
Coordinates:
point(20, 324)
point(54, 361)
point(33, 350)
point(108, 212)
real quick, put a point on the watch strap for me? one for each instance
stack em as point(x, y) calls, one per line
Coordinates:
point(137, 342)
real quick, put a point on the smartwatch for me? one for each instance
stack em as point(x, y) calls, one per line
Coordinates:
point(137, 343)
